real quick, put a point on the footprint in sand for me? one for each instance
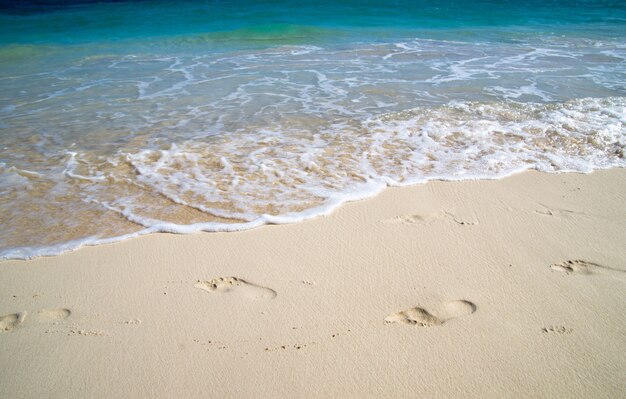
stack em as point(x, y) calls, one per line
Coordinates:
point(428, 219)
point(51, 315)
point(463, 221)
point(14, 320)
point(410, 219)
point(548, 211)
point(577, 266)
point(559, 330)
point(443, 313)
point(237, 286)
point(11, 321)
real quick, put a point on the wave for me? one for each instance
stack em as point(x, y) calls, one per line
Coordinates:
point(242, 180)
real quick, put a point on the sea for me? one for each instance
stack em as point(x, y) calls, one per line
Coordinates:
point(123, 118)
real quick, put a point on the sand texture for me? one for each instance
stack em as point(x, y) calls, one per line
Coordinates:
point(476, 289)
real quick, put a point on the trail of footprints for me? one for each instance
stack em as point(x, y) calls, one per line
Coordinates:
point(239, 287)
point(15, 320)
point(51, 317)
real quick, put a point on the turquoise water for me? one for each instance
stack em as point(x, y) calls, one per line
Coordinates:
point(129, 117)
point(264, 23)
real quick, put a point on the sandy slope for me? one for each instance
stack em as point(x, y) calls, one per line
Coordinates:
point(440, 290)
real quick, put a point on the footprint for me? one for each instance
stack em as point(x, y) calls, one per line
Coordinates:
point(49, 315)
point(574, 266)
point(412, 219)
point(10, 321)
point(414, 316)
point(548, 211)
point(577, 266)
point(421, 317)
point(560, 330)
point(465, 221)
point(222, 285)
point(409, 219)
point(428, 219)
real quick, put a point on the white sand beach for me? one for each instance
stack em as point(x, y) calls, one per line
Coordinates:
point(474, 289)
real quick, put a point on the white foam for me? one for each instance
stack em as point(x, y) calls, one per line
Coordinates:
point(70, 170)
point(466, 140)
point(283, 134)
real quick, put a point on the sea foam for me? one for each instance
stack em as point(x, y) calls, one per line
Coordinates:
point(246, 180)
point(110, 141)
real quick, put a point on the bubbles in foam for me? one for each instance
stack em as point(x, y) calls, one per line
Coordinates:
point(269, 176)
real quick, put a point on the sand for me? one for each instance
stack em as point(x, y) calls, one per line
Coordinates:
point(475, 289)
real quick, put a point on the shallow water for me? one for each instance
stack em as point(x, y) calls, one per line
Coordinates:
point(222, 116)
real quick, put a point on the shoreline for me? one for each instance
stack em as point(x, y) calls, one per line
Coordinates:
point(519, 283)
point(322, 210)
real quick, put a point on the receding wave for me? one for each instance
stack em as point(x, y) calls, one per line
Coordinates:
point(285, 174)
